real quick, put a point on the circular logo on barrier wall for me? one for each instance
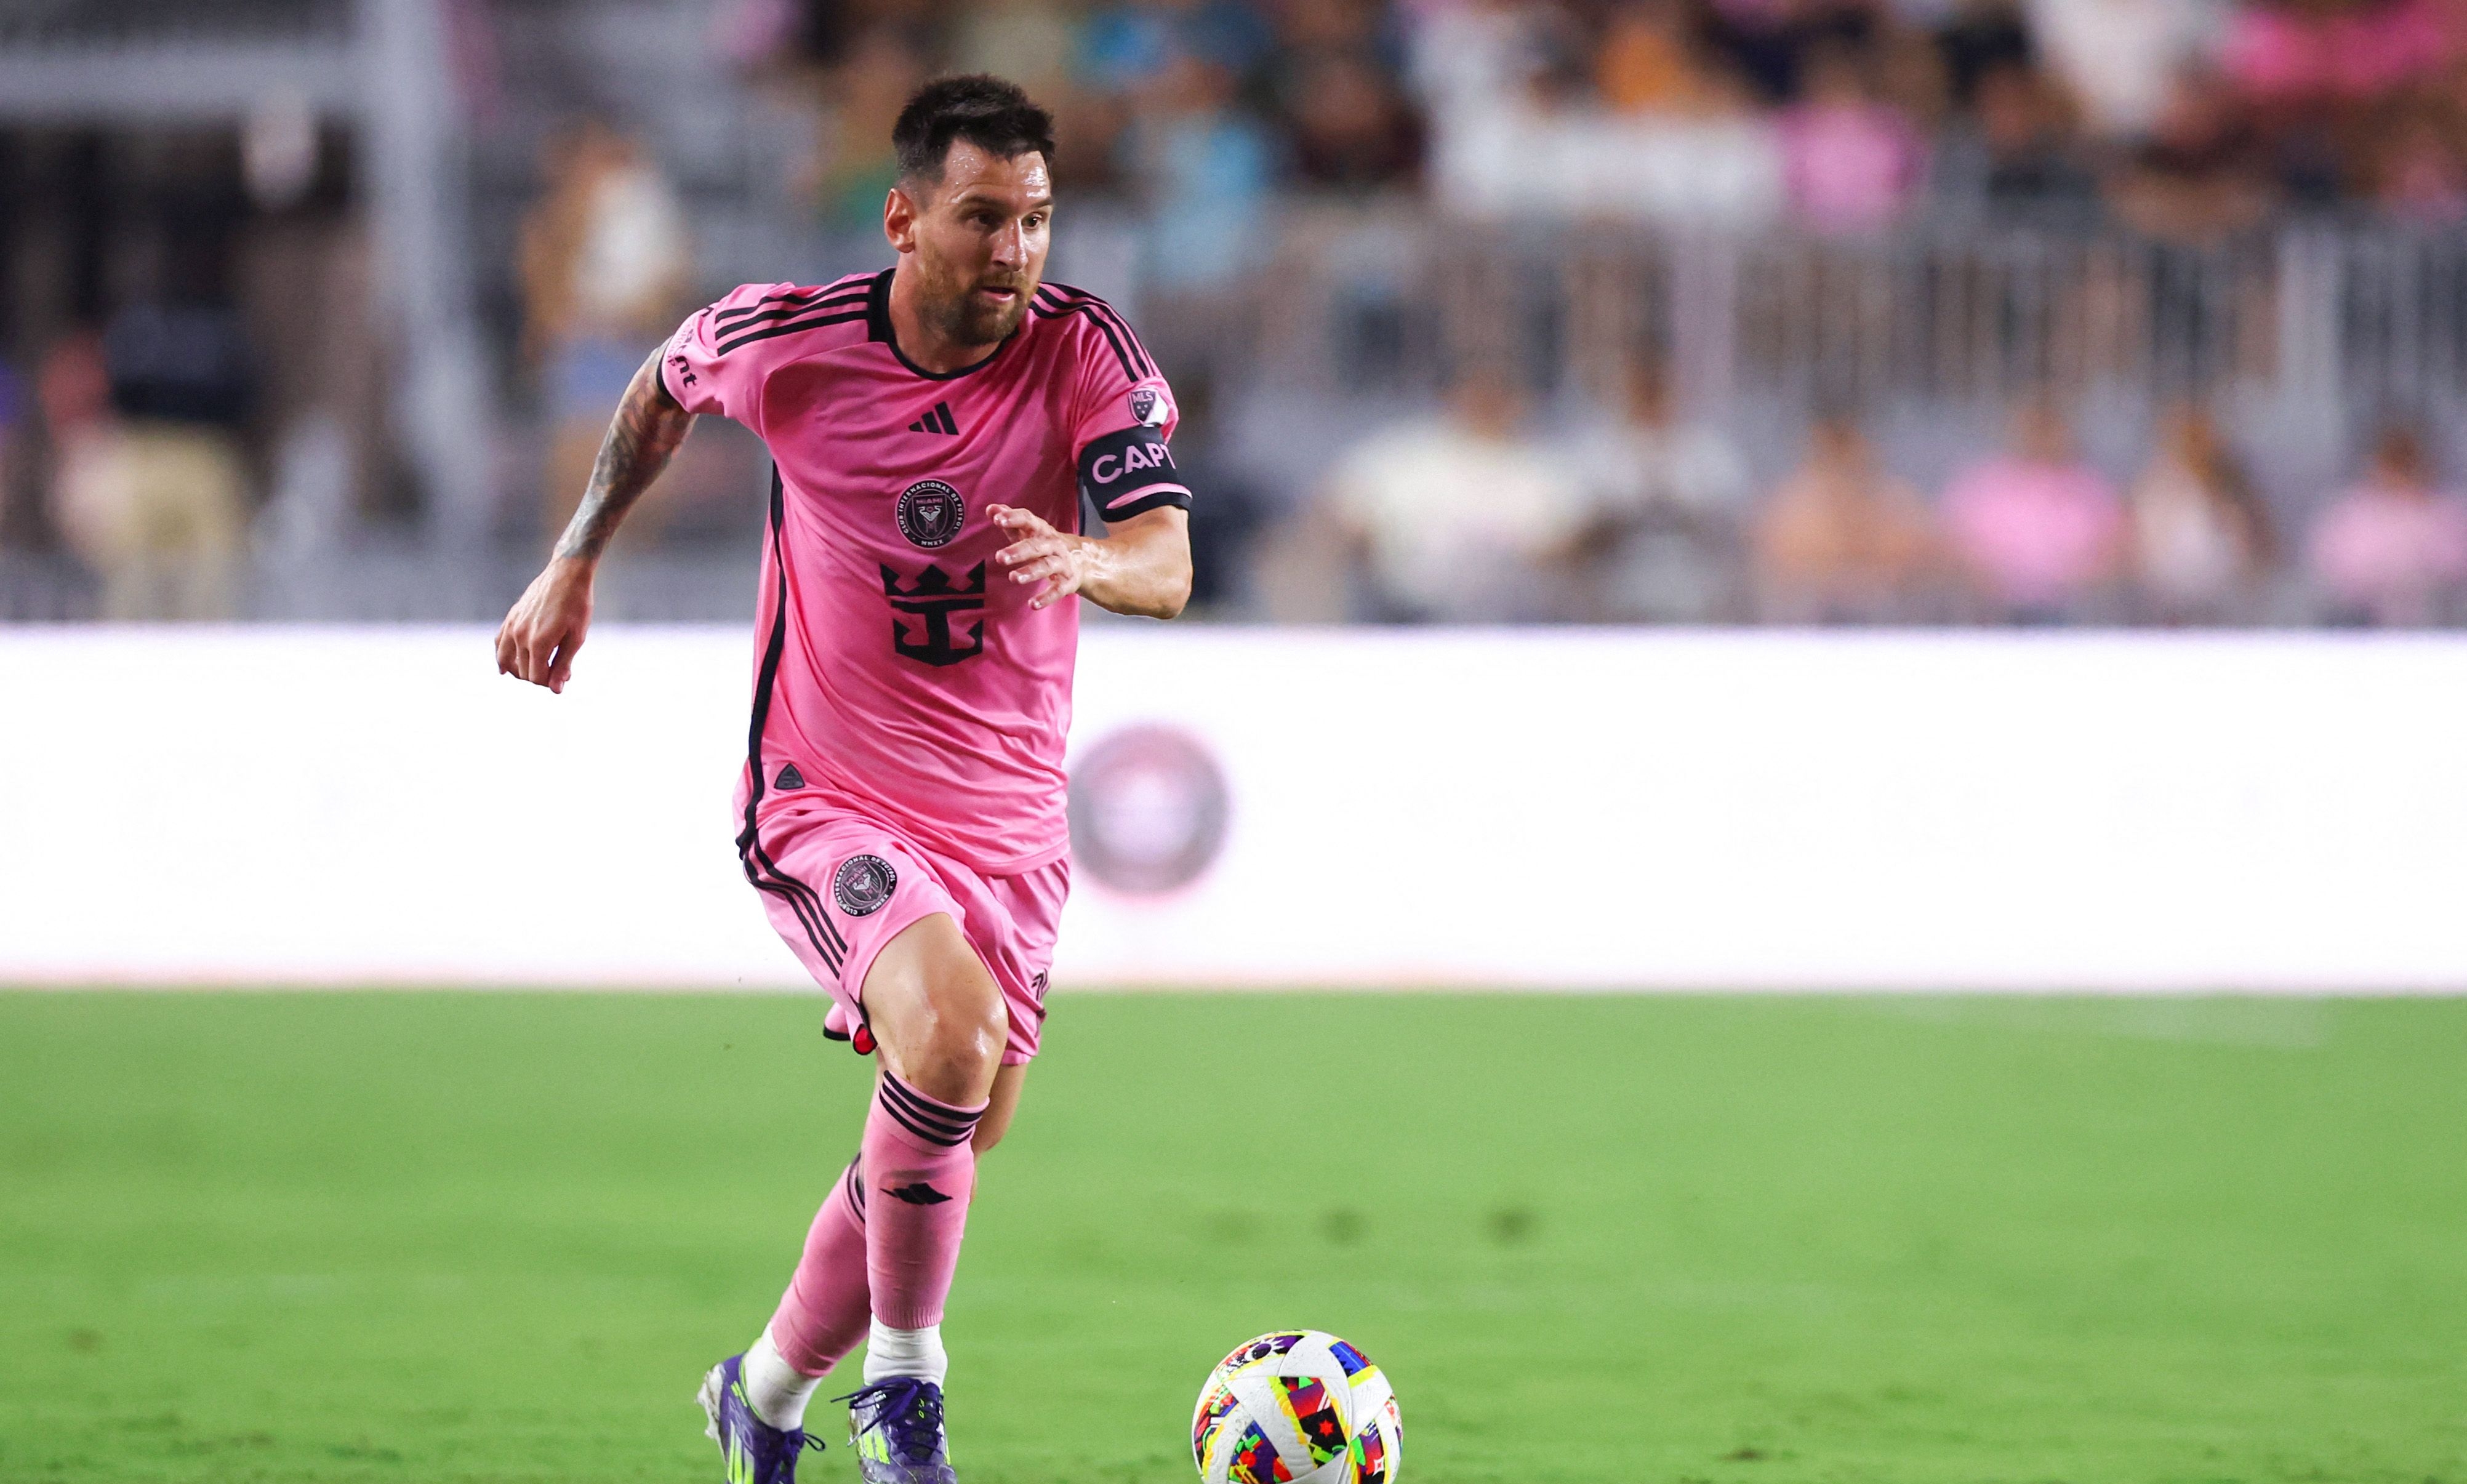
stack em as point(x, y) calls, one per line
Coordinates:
point(862, 884)
point(1148, 810)
point(931, 513)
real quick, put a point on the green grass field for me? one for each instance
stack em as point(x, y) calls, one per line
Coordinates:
point(462, 1237)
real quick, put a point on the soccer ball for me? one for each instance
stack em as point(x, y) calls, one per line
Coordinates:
point(1296, 1407)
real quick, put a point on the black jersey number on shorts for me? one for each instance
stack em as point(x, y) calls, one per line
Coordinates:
point(922, 615)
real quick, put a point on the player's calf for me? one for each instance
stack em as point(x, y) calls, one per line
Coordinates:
point(942, 1025)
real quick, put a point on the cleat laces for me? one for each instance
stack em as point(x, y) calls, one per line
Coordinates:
point(911, 1415)
point(808, 1443)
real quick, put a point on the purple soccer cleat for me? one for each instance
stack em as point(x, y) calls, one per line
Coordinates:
point(751, 1451)
point(896, 1425)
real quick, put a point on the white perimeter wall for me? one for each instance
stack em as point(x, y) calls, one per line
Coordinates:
point(1538, 808)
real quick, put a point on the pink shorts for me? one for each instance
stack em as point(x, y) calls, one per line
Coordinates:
point(838, 886)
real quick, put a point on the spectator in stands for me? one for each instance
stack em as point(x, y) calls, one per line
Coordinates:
point(2419, 177)
point(1028, 41)
point(1332, 79)
point(1649, 62)
point(883, 66)
point(1841, 541)
point(1766, 41)
point(2391, 549)
point(2017, 157)
point(1979, 37)
point(2120, 59)
point(2200, 539)
point(1649, 455)
point(1850, 161)
point(148, 483)
point(605, 268)
point(1458, 518)
point(756, 36)
point(1911, 78)
point(1476, 67)
point(1125, 131)
point(1663, 497)
point(1351, 128)
point(2037, 530)
point(1203, 167)
point(1126, 48)
point(2293, 56)
point(2201, 174)
point(73, 388)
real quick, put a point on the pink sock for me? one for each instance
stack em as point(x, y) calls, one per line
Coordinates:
point(919, 1170)
point(825, 1312)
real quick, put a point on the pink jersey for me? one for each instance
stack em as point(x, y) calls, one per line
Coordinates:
point(898, 671)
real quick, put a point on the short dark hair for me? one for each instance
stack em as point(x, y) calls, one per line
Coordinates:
point(994, 115)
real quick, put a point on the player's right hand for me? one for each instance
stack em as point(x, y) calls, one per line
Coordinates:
point(546, 625)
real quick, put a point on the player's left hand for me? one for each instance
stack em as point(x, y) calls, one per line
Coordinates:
point(1040, 553)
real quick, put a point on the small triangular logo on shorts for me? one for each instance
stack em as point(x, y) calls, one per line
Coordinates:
point(918, 1194)
point(789, 778)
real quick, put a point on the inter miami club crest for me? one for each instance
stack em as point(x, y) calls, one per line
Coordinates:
point(1150, 808)
point(863, 884)
point(931, 513)
point(1148, 407)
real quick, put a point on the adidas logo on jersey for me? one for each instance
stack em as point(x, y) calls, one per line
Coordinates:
point(938, 420)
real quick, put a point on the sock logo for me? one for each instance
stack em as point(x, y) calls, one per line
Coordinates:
point(918, 1194)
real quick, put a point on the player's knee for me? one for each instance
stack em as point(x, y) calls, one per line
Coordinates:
point(938, 1012)
point(962, 1049)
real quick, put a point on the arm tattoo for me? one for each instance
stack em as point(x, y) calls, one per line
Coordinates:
point(646, 432)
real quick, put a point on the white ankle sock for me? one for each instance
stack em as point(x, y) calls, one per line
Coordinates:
point(912, 1353)
point(777, 1390)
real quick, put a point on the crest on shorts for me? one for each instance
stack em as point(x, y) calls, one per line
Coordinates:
point(1148, 406)
point(931, 513)
point(863, 884)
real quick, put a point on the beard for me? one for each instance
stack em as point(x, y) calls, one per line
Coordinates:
point(954, 311)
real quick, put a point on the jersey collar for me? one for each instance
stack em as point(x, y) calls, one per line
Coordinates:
point(877, 328)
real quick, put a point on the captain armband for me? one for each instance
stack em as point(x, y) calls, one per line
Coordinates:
point(1126, 473)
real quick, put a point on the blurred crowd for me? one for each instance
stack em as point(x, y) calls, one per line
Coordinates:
point(2186, 120)
point(166, 430)
point(1470, 516)
point(1187, 103)
point(2181, 121)
point(189, 384)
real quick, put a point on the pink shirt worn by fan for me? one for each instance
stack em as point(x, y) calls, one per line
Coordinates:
point(899, 672)
point(2394, 554)
point(2040, 533)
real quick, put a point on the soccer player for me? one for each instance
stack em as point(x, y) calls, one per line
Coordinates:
point(933, 427)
